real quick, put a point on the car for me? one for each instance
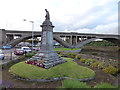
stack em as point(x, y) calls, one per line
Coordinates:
point(36, 49)
point(7, 47)
point(26, 49)
point(1, 55)
point(19, 52)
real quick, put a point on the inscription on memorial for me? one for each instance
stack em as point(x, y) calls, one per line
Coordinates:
point(51, 38)
point(44, 37)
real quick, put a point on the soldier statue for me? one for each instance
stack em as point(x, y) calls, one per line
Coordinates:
point(47, 15)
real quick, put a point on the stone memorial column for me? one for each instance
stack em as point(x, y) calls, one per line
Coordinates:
point(47, 53)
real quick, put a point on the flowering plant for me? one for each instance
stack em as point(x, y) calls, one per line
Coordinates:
point(35, 63)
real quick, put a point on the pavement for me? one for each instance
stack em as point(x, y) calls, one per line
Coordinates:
point(9, 55)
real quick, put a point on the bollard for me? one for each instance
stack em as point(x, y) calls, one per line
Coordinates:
point(10, 55)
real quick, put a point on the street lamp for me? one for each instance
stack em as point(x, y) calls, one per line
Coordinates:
point(32, 31)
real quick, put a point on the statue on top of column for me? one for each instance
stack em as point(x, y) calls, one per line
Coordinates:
point(47, 15)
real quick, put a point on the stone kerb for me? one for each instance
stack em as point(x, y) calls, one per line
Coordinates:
point(49, 80)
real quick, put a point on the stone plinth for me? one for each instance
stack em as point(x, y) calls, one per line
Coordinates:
point(47, 55)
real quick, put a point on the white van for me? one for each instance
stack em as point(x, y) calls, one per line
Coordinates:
point(26, 49)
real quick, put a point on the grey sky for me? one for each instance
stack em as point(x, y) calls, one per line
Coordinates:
point(84, 16)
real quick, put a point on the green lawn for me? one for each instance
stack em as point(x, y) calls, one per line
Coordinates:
point(65, 49)
point(67, 69)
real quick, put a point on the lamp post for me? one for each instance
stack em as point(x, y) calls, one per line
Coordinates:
point(32, 32)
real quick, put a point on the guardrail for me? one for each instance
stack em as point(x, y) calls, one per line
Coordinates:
point(9, 56)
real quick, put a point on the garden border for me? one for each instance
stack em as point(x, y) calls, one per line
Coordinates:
point(49, 80)
point(74, 51)
point(8, 64)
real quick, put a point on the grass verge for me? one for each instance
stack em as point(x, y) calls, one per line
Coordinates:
point(67, 69)
point(65, 49)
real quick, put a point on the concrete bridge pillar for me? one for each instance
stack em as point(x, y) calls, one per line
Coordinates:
point(2, 37)
point(76, 41)
point(81, 38)
point(67, 39)
point(71, 40)
point(10, 38)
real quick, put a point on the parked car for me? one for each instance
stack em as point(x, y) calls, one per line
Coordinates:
point(19, 52)
point(7, 47)
point(26, 49)
point(1, 55)
point(36, 49)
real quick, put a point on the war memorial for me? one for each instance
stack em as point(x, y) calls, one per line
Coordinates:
point(49, 69)
point(47, 56)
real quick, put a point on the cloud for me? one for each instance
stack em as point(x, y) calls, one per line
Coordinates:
point(84, 16)
point(111, 28)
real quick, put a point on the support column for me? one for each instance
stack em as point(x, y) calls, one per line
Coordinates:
point(10, 37)
point(2, 37)
point(65, 38)
point(71, 40)
point(81, 38)
point(76, 40)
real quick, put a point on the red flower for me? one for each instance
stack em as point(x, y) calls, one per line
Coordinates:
point(35, 62)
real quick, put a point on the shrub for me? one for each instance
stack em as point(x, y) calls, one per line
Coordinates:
point(74, 84)
point(12, 62)
point(94, 53)
point(58, 52)
point(71, 55)
point(78, 56)
point(103, 85)
point(95, 64)
point(102, 65)
point(111, 70)
point(82, 60)
point(89, 61)
point(29, 55)
point(34, 52)
point(113, 63)
point(21, 58)
point(64, 54)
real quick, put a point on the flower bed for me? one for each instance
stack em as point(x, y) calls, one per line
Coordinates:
point(110, 69)
point(35, 63)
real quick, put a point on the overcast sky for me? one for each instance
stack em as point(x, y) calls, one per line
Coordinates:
point(83, 16)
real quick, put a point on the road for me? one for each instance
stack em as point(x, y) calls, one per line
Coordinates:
point(9, 55)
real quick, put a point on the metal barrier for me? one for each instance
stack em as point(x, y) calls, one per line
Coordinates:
point(10, 56)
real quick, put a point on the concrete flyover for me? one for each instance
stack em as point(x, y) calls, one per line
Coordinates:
point(69, 40)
